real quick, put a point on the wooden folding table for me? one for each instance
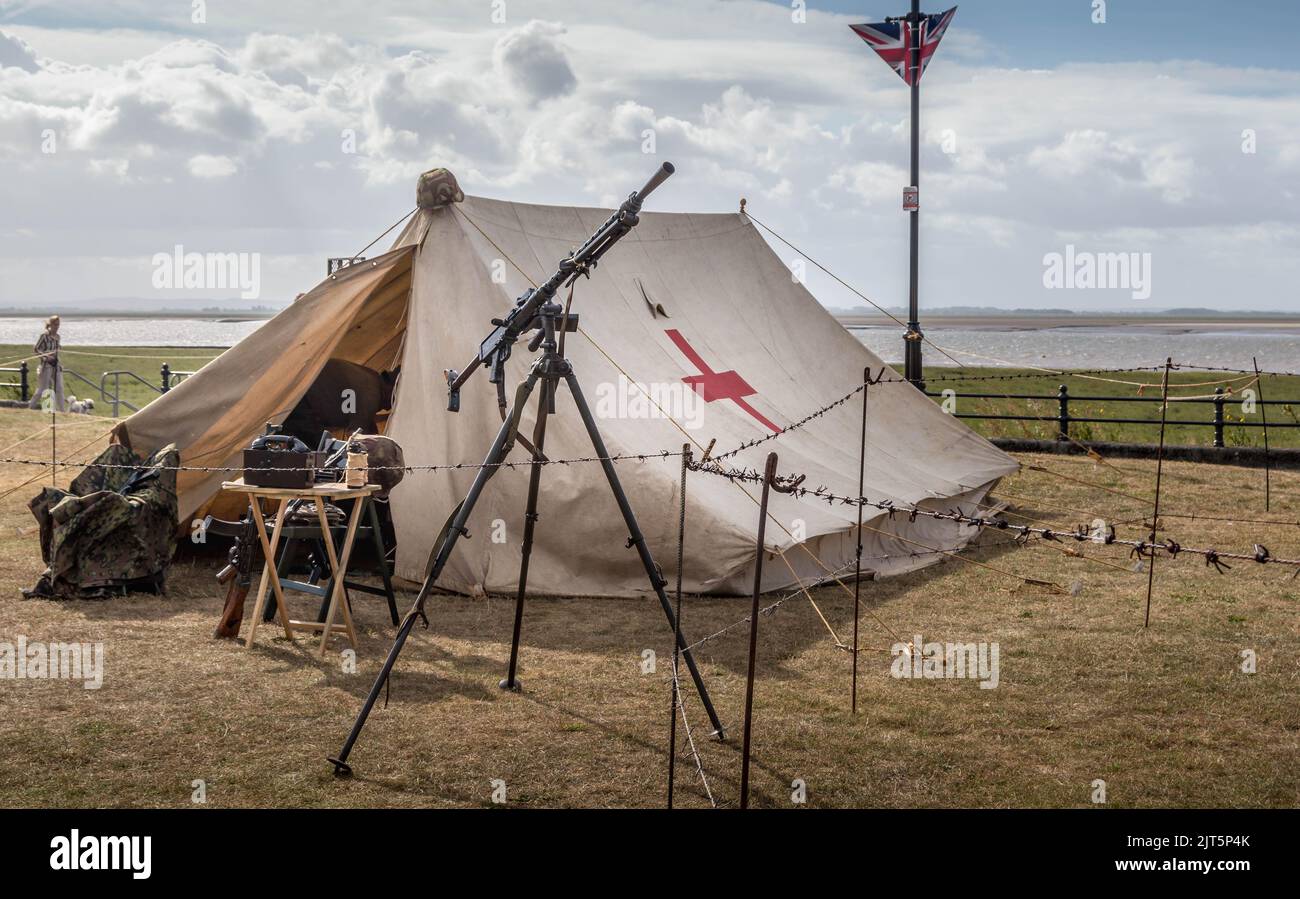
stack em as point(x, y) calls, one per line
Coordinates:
point(318, 495)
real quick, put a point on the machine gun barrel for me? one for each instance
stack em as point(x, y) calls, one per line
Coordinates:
point(495, 348)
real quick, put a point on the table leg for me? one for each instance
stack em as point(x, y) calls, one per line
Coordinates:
point(255, 509)
point(269, 545)
point(338, 563)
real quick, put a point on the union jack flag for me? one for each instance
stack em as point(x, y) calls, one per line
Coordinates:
point(893, 41)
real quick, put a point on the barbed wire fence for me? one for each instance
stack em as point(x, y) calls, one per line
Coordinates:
point(1144, 550)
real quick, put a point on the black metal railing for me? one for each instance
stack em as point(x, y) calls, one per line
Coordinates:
point(23, 384)
point(109, 387)
point(1064, 419)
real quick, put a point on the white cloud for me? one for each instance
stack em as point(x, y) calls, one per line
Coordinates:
point(204, 166)
point(532, 60)
point(248, 124)
point(16, 53)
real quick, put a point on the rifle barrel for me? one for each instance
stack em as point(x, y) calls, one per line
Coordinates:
point(623, 220)
point(656, 179)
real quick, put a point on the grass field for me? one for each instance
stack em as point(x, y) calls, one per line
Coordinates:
point(1103, 389)
point(1163, 715)
point(92, 362)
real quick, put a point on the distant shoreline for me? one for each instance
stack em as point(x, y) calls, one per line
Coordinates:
point(1173, 324)
point(232, 316)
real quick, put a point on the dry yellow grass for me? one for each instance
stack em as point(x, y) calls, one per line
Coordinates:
point(1163, 715)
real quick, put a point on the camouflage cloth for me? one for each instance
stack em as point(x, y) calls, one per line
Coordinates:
point(436, 188)
point(113, 531)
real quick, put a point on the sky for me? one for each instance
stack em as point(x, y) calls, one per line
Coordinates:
point(1058, 129)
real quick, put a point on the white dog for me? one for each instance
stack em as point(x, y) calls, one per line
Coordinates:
point(82, 407)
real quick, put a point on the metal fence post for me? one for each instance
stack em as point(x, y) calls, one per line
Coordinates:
point(166, 377)
point(1218, 416)
point(24, 387)
point(1063, 416)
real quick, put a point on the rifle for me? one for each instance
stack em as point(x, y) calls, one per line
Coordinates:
point(495, 348)
point(237, 576)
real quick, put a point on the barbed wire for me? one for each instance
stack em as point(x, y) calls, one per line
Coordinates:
point(1043, 374)
point(456, 466)
point(1239, 371)
point(1142, 549)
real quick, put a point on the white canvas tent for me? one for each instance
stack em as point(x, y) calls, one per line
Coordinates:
point(684, 296)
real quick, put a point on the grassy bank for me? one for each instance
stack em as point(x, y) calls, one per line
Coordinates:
point(92, 362)
point(1164, 715)
point(1043, 412)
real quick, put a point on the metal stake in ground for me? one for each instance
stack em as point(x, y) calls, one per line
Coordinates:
point(677, 628)
point(1160, 464)
point(760, 550)
point(769, 484)
point(1263, 414)
point(857, 563)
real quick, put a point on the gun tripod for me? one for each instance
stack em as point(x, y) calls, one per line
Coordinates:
point(550, 369)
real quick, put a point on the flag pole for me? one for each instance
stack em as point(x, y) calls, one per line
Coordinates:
point(901, 42)
point(912, 339)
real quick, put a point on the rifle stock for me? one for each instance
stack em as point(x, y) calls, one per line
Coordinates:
point(232, 616)
point(237, 574)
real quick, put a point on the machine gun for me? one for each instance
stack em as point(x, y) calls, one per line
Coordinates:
point(496, 347)
point(237, 576)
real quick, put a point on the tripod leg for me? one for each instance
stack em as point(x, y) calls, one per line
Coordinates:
point(638, 539)
point(495, 455)
point(530, 523)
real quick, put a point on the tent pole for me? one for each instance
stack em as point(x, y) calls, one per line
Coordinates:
point(637, 539)
point(500, 449)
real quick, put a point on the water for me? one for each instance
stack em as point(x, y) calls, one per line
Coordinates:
point(1098, 347)
point(205, 332)
point(1277, 348)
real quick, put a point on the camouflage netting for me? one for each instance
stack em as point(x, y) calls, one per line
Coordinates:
point(437, 188)
point(113, 530)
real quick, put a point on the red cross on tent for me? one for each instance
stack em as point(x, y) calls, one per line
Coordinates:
point(717, 385)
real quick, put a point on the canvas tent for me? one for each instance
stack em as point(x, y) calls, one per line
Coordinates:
point(685, 298)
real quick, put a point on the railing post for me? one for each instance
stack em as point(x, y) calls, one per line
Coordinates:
point(166, 377)
point(1218, 416)
point(23, 386)
point(1063, 415)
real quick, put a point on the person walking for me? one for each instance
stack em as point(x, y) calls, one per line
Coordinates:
point(51, 373)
